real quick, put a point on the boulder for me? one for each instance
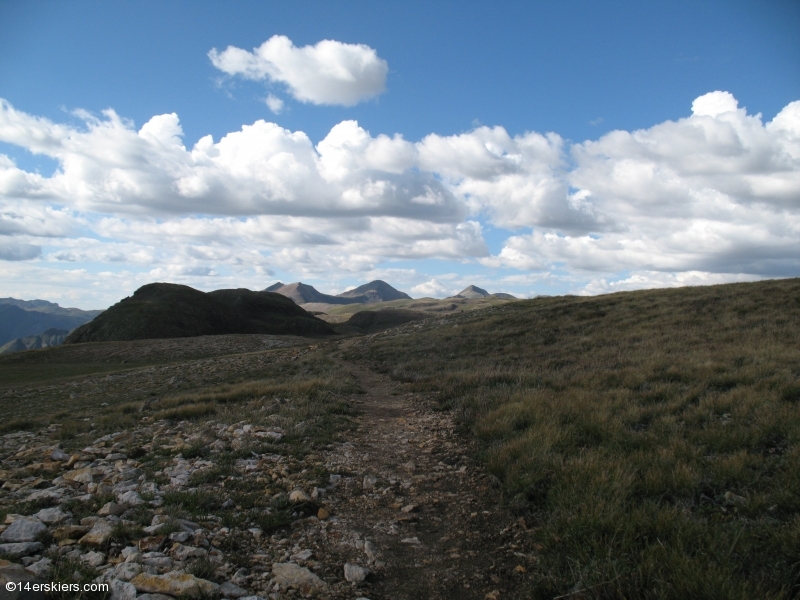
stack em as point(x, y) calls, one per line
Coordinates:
point(355, 573)
point(175, 583)
point(112, 508)
point(26, 529)
point(41, 569)
point(80, 476)
point(51, 516)
point(291, 575)
point(121, 590)
point(231, 590)
point(98, 535)
point(20, 549)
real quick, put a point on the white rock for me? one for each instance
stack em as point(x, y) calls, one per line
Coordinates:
point(355, 573)
point(131, 498)
point(93, 559)
point(51, 515)
point(174, 583)
point(291, 575)
point(26, 529)
point(98, 535)
point(112, 508)
point(299, 496)
point(371, 550)
point(184, 553)
point(303, 555)
point(41, 569)
point(121, 590)
point(231, 590)
point(127, 570)
point(19, 549)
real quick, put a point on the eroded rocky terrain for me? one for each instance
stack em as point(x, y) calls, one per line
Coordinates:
point(396, 508)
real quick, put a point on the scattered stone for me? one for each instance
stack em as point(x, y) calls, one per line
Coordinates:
point(93, 559)
point(175, 583)
point(369, 482)
point(83, 475)
point(121, 590)
point(291, 575)
point(131, 498)
point(298, 496)
point(371, 550)
point(127, 570)
point(98, 535)
point(411, 540)
point(355, 573)
point(26, 529)
point(409, 508)
point(323, 514)
point(151, 543)
point(73, 532)
point(231, 590)
point(41, 569)
point(184, 553)
point(51, 515)
point(112, 508)
point(18, 549)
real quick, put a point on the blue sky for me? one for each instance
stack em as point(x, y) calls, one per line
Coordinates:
point(474, 88)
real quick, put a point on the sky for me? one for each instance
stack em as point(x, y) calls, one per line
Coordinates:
point(534, 148)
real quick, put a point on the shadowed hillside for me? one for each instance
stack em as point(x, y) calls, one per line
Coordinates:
point(165, 310)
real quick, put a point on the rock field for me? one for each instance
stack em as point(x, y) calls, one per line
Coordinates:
point(203, 509)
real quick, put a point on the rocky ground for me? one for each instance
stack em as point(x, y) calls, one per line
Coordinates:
point(395, 509)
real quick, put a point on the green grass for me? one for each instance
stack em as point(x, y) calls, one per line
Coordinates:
point(652, 438)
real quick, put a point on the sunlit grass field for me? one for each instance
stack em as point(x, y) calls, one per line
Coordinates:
point(651, 439)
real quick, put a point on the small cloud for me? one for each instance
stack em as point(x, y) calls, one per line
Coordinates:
point(430, 288)
point(596, 122)
point(329, 72)
point(275, 104)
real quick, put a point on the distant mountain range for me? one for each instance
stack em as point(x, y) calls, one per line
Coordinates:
point(167, 310)
point(369, 293)
point(51, 337)
point(24, 318)
point(473, 291)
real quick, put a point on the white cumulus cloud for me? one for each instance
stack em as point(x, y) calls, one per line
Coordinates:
point(329, 72)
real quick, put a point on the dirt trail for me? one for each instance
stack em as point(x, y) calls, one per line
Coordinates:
point(416, 509)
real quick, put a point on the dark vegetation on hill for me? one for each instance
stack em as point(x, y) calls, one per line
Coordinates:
point(370, 321)
point(165, 310)
point(652, 437)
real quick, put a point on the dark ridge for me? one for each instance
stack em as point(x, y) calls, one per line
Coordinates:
point(167, 310)
point(368, 321)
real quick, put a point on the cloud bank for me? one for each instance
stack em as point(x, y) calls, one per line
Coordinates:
point(328, 72)
point(711, 197)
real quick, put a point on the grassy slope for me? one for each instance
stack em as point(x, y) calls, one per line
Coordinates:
point(428, 305)
point(654, 436)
